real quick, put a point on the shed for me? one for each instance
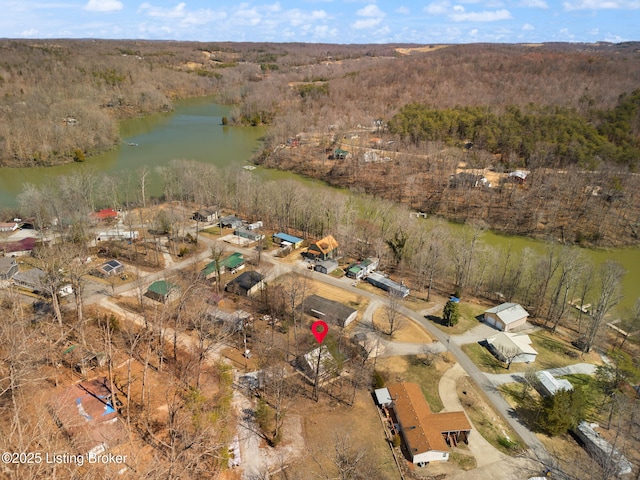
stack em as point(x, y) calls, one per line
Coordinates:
point(162, 290)
point(85, 411)
point(551, 385)
point(326, 267)
point(105, 214)
point(110, 268)
point(340, 154)
point(8, 268)
point(330, 311)
point(383, 397)
point(427, 435)
point(280, 238)
point(512, 347)
point(506, 316)
point(247, 283)
point(380, 281)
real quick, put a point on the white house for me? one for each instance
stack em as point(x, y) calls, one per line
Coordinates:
point(551, 385)
point(506, 316)
point(512, 347)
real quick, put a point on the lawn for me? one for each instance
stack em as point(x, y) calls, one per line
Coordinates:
point(413, 368)
point(552, 353)
point(468, 320)
point(407, 332)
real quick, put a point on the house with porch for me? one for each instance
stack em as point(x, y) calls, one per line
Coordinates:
point(232, 263)
point(246, 284)
point(162, 291)
point(510, 347)
point(206, 215)
point(323, 249)
point(427, 436)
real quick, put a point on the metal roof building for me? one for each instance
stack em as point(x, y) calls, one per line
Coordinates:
point(387, 284)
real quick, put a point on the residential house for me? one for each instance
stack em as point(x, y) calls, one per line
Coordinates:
point(255, 225)
point(468, 180)
point(362, 269)
point(517, 176)
point(246, 284)
point(385, 283)
point(162, 291)
point(506, 316)
point(85, 411)
point(206, 215)
point(286, 240)
point(19, 248)
point(231, 221)
point(82, 360)
point(326, 267)
point(340, 154)
point(232, 263)
point(110, 268)
point(550, 385)
point(330, 311)
point(105, 214)
point(8, 226)
point(427, 436)
point(604, 453)
point(117, 234)
point(8, 268)
point(32, 279)
point(512, 347)
point(323, 249)
point(232, 321)
point(248, 234)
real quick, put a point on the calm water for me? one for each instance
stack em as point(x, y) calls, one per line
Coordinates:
point(194, 131)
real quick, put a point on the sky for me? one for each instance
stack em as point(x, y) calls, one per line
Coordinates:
point(326, 21)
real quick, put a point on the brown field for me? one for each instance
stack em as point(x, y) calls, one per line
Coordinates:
point(409, 331)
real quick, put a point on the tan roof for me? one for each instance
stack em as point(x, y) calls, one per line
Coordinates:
point(325, 245)
point(422, 429)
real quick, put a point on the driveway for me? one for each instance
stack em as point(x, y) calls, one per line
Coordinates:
point(498, 379)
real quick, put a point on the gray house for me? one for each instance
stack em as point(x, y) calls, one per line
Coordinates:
point(327, 266)
point(330, 311)
point(8, 268)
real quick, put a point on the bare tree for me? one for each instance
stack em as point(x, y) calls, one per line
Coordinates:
point(394, 319)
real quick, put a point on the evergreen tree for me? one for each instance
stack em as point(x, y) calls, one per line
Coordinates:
point(562, 411)
point(451, 313)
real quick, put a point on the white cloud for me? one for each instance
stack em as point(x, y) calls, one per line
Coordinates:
point(175, 12)
point(373, 17)
point(564, 33)
point(298, 17)
point(403, 10)
point(437, 8)
point(602, 5)
point(103, 5)
point(371, 10)
point(534, 3)
point(32, 32)
point(527, 27)
point(481, 16)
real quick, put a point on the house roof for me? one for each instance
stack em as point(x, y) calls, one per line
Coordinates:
point(509, 312)
point(85, 412)
point(6, 263)
point(34, 277)
point(378, 279)
point(109, 266)
point(287, 238)
point(422, 429)
point(246, 281)
point(105, 213)
point(324, 245)
point(383, 397)
point(510, 341)
point(26, 244)
point(232, 261)
point(162, 287)
point(328, 310)
point(206, 212)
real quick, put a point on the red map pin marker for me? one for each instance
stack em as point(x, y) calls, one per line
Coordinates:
point(319, 330)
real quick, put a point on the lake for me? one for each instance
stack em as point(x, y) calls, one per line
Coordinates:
point(194, 131)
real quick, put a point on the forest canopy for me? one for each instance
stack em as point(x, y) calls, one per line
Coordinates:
point(537, 135)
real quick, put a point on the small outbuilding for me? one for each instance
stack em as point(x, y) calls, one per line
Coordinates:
point(162, 291)
point(506, 317)
point(603, 452)
point(248, 234)
point(550, 385)
point(246, 284)
point(110, 268)
point(231, 221)
point(330, 311)
point(327, 266)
